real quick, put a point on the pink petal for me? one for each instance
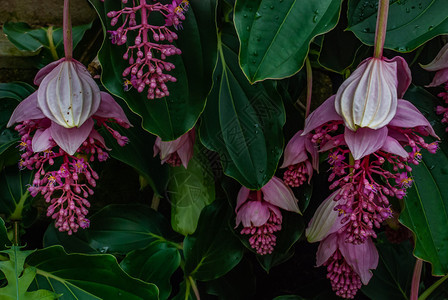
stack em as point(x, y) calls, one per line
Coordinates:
point(243, 194)
point(186, 150)
point(295, 150)
point(323, 114)
point(312, 149)
point(26, 110)
point(326, 249)
point(325, 220)
point(95, 135)
point(70, 139)
point(362, 258)
point(393, 146)
point(439, 62)
point(365, 141)
point(42, 140)
point(403, 75)
point(45, 70)
point(408, 116)
point(440, 78)
point(253, 213)
point(277, 193)
point(109, 109)
point(335, 141)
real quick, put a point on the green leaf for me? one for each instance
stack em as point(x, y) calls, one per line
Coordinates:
point(189, 191)
point(392, 278)
point(49, 41)
point(410, 23)
point(275, 35)
point(5, 243)
point(14, 196)
point(80, 276)
point(185, 291)
point(138, 153)
point(15, 90)
point(76, 243)
point(242, 122)
point(239, 283)
point(155, 263)
point(123, 228)
point(212, 250)
point(171, 117)
point(426, 204)
point(20, 278)
point(292, 228)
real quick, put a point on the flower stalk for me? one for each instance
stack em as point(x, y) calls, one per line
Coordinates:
point(381, 27)
point(67, 29)
point(416, 279)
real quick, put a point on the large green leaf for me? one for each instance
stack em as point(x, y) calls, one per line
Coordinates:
point(212, 250)
point(426, 204)
point(242, 122)
point(80, 276)
point(123, 228)
point(20, 278)
point(172, 116)
point(410, 24)
point(189, 191)
point(155, 263)
point(275, 35)
point(392, 278)
point(14, 196)
point(48, 40)
point(75, 243)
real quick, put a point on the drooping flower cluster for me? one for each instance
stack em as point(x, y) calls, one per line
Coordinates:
point(177, 152)
point(259, 213)
point(47, 142)
point(152, 44)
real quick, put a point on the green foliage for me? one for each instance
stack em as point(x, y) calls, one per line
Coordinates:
point(46, 43)
point(265, 28)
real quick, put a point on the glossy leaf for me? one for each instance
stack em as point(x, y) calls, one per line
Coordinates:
point(20, 277)
point(75, 243)
point(123, 228)
point(49, 40)
point(14, 196)
point(155, 263)
point(242, 122)
point(292, 228)
point(80, 276)
point(410, 23)
point(275, 35)
point(138, 153)
point(189, 191)
point(392, 278)
point(426, 204)
point(172, 116)
point(212, 250)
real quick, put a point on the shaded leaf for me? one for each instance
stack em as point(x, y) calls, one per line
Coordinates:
point(242, 122)
point(265, 28)
point(48, 40)
point(212, 250)
point(77, 242)
point(172, 116)
point(410, 23)
point(189, 191)
point(155, 263)
point(80, 276)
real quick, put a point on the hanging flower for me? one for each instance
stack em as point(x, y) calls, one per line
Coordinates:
point(297, 161)
point(439, 64)
point(259, 213)
point(177, 152)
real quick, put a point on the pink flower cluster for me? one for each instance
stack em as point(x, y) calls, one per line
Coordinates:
point(147, 54)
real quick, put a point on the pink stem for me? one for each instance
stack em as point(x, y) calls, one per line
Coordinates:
point(144, 16)
point(381, 27)
point(67, 31)
point(416, 279)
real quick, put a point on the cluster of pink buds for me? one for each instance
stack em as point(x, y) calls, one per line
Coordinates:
point(260, 215)
point(442, 110)
point(151, 45)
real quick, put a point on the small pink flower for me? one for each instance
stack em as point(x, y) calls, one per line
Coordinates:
point(297, 161)
point(259, 213)
point(177, 152)
point(439, 64)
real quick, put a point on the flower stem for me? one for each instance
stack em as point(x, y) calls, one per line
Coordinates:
point(431, 289)
point(16, 233)
point(309, 86)
point(416, 279)
point(67, 30)
point(381, 27)
point(194, 287)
